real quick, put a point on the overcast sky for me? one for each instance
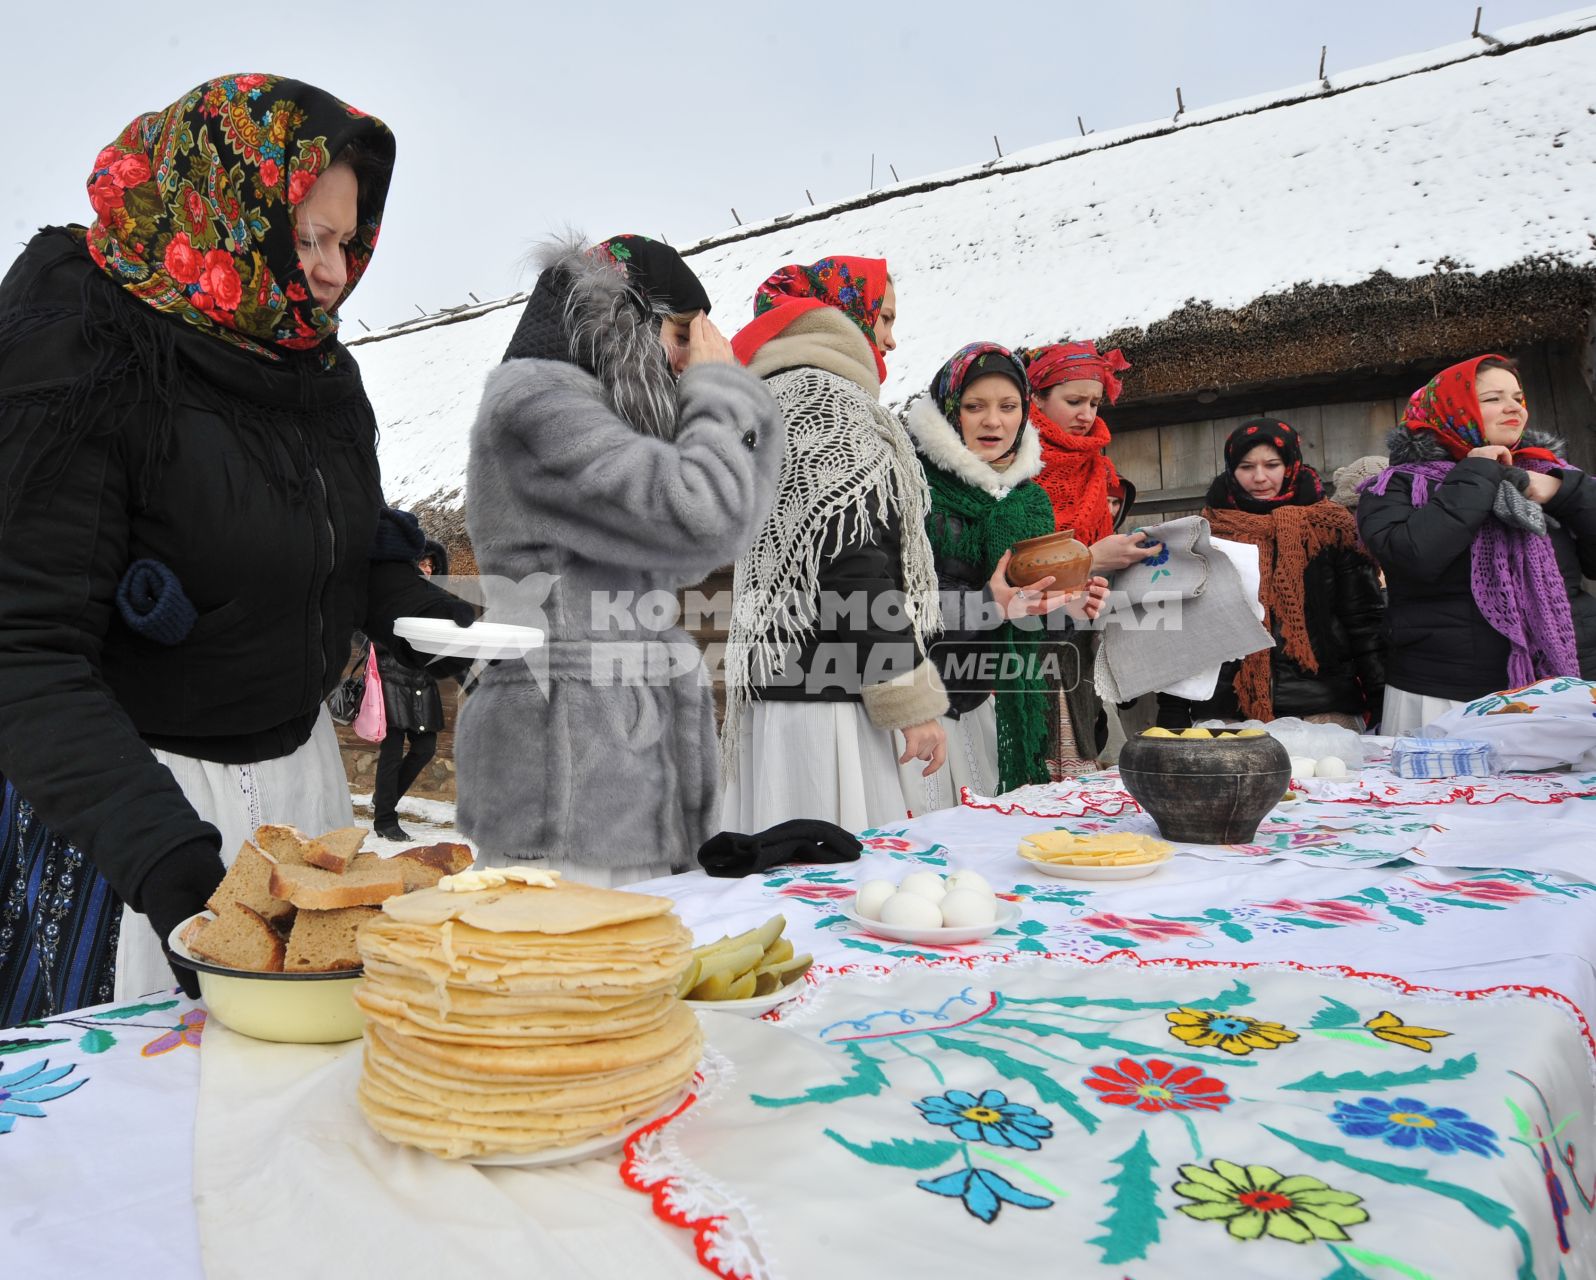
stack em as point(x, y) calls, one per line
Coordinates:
point(517, 119)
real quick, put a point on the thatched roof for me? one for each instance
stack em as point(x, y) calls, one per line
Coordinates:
point(1418, 209)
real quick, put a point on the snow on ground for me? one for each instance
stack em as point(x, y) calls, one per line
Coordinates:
point(426, 821)
point(1447, 158)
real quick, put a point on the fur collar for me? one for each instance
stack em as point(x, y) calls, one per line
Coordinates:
point(940, 445)
point(1404, 446)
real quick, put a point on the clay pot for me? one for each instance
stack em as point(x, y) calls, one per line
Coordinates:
point(1053, 554)
point(1206, 791)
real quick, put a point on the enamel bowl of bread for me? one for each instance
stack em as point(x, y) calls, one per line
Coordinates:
point(275, 949)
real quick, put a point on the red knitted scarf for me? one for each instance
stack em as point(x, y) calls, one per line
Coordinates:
point(1076, 475)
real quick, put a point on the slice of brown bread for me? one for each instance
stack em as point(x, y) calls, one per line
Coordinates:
point(312, 889)
point(323, 941)
point(248, 883)
point(423, 867)
point(240, 939)
point(287, 844)
point(336, 850)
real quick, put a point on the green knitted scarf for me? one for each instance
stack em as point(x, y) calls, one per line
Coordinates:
point(990, 527)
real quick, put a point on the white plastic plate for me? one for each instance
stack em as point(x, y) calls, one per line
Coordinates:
point(1068, 871)
point(1007, 914)
point(486, 640)
point(754, 1005)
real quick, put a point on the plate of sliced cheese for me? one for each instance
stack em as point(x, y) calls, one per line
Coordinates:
point(1095, 857)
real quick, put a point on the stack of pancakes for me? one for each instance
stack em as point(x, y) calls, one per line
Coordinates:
point(519, 1018)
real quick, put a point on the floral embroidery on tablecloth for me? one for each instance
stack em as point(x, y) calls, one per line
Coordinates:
point(24, 1092)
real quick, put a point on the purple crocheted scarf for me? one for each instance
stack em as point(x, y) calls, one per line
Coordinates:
point(1515, 580)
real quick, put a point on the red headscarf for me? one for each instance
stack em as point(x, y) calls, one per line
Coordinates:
point(1071, 361)
point(1076, 471)
point(854, 286)
point(1448, 406)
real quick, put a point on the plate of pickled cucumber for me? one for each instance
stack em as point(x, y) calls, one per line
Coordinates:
point(747, 974)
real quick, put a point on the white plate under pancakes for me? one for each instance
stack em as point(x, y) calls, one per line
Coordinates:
point(603, 1145)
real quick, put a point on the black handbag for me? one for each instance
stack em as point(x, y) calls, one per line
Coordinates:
point(344, 701)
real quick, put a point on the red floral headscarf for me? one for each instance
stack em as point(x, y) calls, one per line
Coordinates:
point(194, 208)
point(854, 286)
point(1299, 486)
point(1071, 361)
point(1448, 407)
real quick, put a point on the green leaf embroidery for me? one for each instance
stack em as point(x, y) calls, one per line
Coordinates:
point(1304, 922)
point(1335, 1014)
point(1451, 1069)
point(1466, 902)
point(899, 1153)
point(1407, 914)
point(1358, 1036)
point(1491, 1212)
point(1372, 1259)
point(1522, 1121)
point(1117, 944)
point(96, 1040)
point(1131, 1228)
point(1095, 1040)
point(1346, 1271)
point(23, 1046)
point(1236, 932)
point(1031, 944)
point(1032, 928)
point(1235, 996)
point(134, 1010)
point(865, 1080)
point(1369, 895)
point(1047, 1088)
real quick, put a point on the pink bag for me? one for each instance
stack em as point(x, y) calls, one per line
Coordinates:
point(372, 721)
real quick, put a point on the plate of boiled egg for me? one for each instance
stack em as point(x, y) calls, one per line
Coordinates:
point(927, 908)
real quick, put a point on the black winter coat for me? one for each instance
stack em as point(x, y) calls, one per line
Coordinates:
point(279, 572)
point(1441, 646)
point(857, 645)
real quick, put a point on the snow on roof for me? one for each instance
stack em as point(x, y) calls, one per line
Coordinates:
point(1477, 156)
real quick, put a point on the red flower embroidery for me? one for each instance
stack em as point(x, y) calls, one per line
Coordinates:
point(297, 292)
point(1145, 930)
point(1485, 890)
point(106, 158)
point(183, 259)
point(1156, 1085)
point(249, 83)
point(270, 172)
point(1335, 912)
point(299, 185)
point(105, 195)
point(219, 278)
point(196, 208)
point(131, 170)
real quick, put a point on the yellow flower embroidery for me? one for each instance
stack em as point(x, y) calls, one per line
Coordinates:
point(1387, 1026)
point(1231, 1032)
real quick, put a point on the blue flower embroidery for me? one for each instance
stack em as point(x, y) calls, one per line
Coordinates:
point(21, 1092)
point(990, 1118)
point(1409, 1124)
point(982, 1191)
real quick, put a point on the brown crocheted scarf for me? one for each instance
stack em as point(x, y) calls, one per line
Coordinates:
point(1287, 539)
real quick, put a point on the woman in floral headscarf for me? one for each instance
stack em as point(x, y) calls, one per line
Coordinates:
point(1319, 591)
point(825, 660)
point(188, 525)
point(981, 458)
point(1484, 532)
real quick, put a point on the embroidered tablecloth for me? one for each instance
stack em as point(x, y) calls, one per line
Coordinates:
point(1116, 1119)
point(97, 1110)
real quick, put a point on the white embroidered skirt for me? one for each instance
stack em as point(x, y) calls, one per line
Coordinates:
point(1404, 714)
point(818, 760)
point(306, 789)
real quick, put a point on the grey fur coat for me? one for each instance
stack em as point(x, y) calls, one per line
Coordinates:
point(600, 748)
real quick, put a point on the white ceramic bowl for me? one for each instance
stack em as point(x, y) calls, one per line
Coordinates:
point(1007, 914)
point(290, 1008)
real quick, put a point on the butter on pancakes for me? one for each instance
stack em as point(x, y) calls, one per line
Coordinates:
point(519, 1017)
